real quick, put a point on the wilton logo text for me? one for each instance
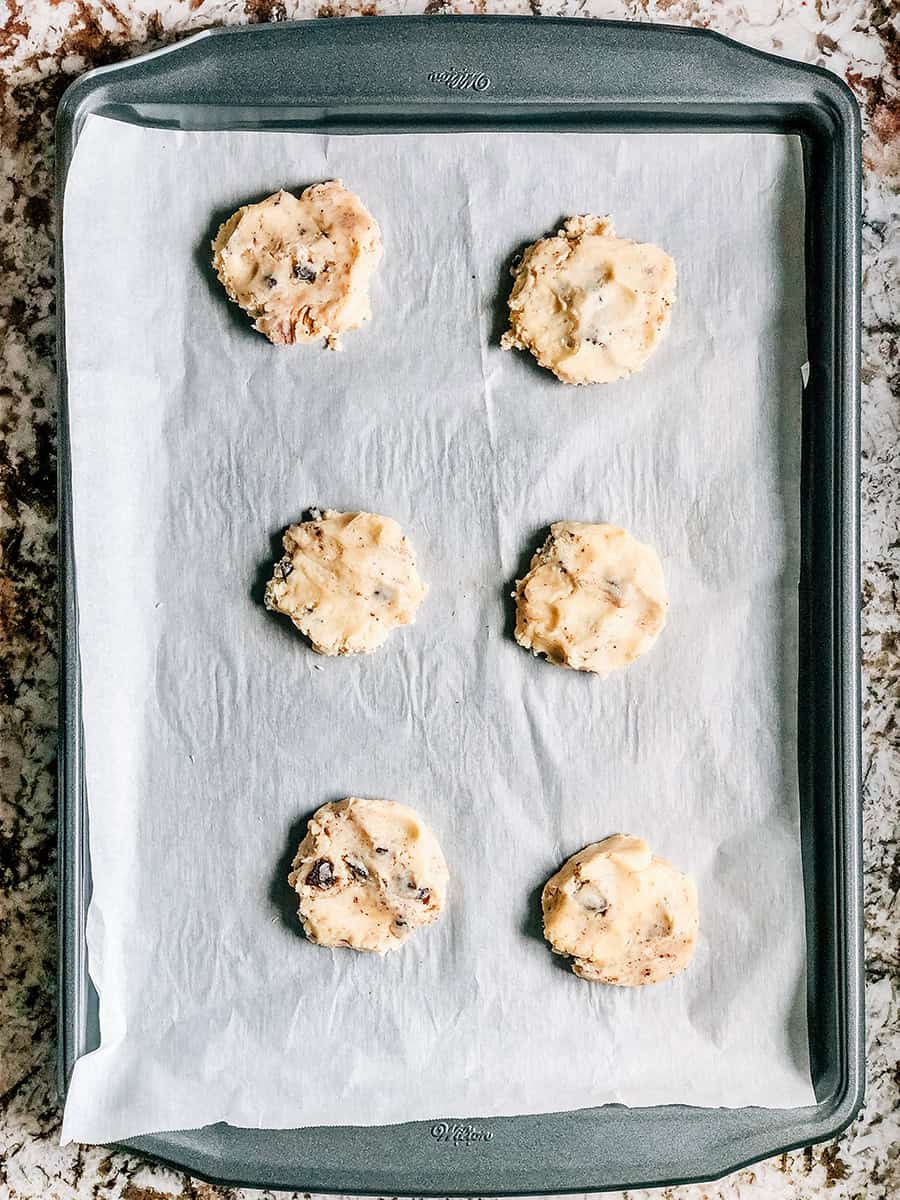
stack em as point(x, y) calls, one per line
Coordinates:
point(475, 81)
point(460, 1135)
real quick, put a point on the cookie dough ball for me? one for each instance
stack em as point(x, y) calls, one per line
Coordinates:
point(346, 580)
point(590, 306)
point(622, 915)
point(368, 873)
point(301, 266)
point(594, 599)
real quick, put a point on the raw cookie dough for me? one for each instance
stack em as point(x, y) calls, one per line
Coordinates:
point(590, 306)
point(622, 915)
point(368, 873)
point(346, 580)
point(301, 266)
point(594, 598)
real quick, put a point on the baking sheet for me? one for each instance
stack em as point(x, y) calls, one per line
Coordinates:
point(211, 730)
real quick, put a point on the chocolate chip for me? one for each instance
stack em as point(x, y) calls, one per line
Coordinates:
point(424, 895)
point(399, 921)
point(271, 281)
point(356, 869)
point(590, 899)
point(304, 272)
point(381, 849)
point(322, 874)
point(285, 567)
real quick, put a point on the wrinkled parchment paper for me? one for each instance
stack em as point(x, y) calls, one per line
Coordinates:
point(211, 730)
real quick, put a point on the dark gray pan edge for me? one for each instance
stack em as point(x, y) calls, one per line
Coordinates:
point(372, 73)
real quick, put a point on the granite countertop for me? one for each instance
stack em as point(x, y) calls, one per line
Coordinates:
point(43, 45)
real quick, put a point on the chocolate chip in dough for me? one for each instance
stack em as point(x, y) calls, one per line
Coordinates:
point(321, 874)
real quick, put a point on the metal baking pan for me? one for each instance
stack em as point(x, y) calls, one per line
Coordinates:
point(502, 73)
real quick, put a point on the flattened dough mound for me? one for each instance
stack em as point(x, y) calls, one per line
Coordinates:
point(346, 580)
point(622, 915)
point(594, 598)
point(590, 306)
point(368, 873)
point(300, 266)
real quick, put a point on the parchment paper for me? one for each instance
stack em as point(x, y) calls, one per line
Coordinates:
point(211, 730)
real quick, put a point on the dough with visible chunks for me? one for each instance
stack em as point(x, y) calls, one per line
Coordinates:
point(594, 599)
point(301, 266)
point(368, 873)
point(623, 916)
point(590, 306)
point(346, 580)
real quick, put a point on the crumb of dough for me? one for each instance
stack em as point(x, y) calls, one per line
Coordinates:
point(591, 307)
point(300, 266)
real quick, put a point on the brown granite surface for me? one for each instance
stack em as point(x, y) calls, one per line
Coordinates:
point(43, 44)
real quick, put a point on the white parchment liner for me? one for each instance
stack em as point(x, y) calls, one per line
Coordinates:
point(211, 730)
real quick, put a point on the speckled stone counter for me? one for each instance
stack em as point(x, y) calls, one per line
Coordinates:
point(43, 44)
